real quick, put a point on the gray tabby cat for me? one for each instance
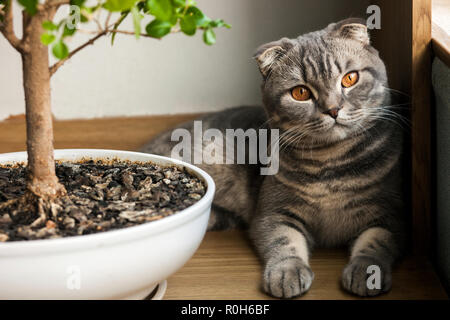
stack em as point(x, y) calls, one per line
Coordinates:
point(339, 177)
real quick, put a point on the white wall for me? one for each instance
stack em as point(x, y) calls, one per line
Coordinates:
point(178, 74)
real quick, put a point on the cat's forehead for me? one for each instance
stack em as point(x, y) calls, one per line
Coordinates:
point(318, 56)
point(317, 44)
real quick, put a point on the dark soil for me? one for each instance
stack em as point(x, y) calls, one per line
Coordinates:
point(101, 196)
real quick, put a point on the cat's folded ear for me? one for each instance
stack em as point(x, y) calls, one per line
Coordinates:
point(267, 54)
point(352, 28)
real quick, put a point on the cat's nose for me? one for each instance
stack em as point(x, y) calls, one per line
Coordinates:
point(333, 112)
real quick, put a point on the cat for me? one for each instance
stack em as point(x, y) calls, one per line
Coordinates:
point(339, 179)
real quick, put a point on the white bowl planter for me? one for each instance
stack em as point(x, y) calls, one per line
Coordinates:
point(121, 264)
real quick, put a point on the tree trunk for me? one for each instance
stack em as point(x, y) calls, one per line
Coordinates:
point(42, 180)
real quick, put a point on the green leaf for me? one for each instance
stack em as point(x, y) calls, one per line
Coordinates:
point(49, 25)
point(77, 2)
point(141, 5)
point(178, 3)
point(188, 25)
point(137, 17)
point(117, 24)
point(68, 32)
point(158, 29)
point(197, 14)
point(91, 10)
point(4, 3)
point(83, 18)
point(47, 38)
point(209, 37)
point(29, 5)
point(173, 21)
point(161, 9)
point(119, 5)
point(60, 50)
point(219, 23)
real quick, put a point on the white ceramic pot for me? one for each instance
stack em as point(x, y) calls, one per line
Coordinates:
point(121, 264)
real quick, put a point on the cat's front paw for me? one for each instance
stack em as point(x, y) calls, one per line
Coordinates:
point(287, 277)
point(355, 277)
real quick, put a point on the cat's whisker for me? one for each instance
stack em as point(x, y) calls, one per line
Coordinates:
point(384, 118)
point(303, 134)
point(286, 136)
point(266, 122)
point(389, 113)
point(397, 91)
point(396, 105)
point(382, 113)
point(294, 135)
point(286, 143)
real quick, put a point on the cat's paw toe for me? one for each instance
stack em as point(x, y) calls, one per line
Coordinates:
point(355, 277)
point(287, 278)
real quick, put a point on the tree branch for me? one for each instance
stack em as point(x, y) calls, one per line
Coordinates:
point(7, 28)
point(27, 30)
point(107, 20)
point(131, 33)
point(58, 64)
point(103, 32)
point(125, 32)
point(48, 8)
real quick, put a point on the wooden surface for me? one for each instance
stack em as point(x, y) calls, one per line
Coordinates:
point(224, 266)
point(106, 133)
point(404, 42)
point(421, 125)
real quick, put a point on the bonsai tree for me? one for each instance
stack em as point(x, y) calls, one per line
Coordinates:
point(40, 31)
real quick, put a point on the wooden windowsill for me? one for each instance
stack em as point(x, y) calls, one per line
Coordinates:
point(124, 133)
point(224, 267)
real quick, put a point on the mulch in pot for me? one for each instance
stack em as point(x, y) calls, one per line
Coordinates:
point(101, 195)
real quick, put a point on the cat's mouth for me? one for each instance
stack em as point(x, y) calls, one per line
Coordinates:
point(339, 124)
point(338, 127)
point(335, 123)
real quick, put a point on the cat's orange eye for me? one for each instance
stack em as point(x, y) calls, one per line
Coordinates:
point(301, 93)
point(350, 79)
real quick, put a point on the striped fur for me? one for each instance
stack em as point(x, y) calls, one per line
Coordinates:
point(339, 180)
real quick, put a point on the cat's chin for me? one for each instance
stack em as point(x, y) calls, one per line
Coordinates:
point(338, 133)
point(335, 133)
